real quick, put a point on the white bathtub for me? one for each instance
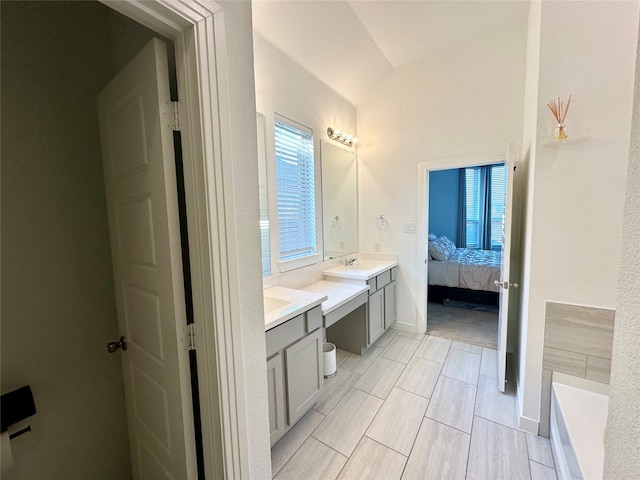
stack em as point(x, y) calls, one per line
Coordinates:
point(578, 422)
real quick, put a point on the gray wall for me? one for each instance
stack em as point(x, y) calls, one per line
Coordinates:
point(443, 203)
point(58, 309)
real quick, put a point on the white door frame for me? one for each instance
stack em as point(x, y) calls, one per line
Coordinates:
point(423, 219)
point(198, 30)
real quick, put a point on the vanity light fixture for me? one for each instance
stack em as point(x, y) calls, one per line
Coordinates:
point(342, 137)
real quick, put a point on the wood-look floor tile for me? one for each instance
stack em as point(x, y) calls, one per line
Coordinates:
point(291, 442)
point(539, 449)
point(380, 377)
point(439, 452)
point(314, 461)
point(497, 452)
point(452, 403)
point(398, 420)
point(371, 461)
point(489, 362)
point(461, 365)
point(433, 348)
point(466, 347)
point(357, 363)
point(345, 425)
point(386, 337)
point(494, 405)
point(401, 349)
point(542, 472)
point(334, 389)
point(420, 376)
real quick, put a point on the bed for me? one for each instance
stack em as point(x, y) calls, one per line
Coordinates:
point(463, 274)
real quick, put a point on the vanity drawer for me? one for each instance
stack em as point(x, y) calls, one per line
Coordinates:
point(394, 271)
point(383, 279)
point(284, 335)
point(372, 284)
point(314, 318)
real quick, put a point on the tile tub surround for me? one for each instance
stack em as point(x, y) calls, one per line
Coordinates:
point(426, 426)
point(577, 341)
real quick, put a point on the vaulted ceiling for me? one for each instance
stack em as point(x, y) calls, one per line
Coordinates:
point(351, 45)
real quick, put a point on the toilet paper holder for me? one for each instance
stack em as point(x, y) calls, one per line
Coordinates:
point(14, 407)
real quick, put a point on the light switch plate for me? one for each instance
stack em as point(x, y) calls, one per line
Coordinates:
point(410, 227)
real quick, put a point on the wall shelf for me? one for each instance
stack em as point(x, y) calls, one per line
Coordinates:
point(577, 139)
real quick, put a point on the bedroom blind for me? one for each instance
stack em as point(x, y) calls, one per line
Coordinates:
point(481, 182)
point(295, 190)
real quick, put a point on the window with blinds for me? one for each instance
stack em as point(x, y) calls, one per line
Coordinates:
point(484, 216)
point(295, 190)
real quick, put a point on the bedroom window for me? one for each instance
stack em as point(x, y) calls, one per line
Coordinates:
point(295, 190)
point(485, 189)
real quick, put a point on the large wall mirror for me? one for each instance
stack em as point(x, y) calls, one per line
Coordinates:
point(264, 198)
point(339, 200)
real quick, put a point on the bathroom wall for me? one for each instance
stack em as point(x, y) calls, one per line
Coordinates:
point(466, 101)
point(576, 194)
point(58, 306)
point(284, 87)
point(622, 445)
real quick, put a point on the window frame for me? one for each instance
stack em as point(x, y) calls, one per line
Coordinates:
point(286, 264)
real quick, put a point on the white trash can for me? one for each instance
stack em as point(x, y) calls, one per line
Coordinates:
point(329, 359)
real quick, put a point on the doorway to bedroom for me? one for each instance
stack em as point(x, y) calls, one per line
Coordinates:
point(499, 286)
point(464, 250)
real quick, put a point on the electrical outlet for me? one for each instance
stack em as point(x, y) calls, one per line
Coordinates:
point(376, 247)
point(410, 227)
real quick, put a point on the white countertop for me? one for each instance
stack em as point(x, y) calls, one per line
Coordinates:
point(282, 304)
point(337, 293)
point(363, 269)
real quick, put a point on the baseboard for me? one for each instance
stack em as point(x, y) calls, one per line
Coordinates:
point(528, 424)
point(405, 327)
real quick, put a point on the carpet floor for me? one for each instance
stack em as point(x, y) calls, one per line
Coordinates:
point(463, 324)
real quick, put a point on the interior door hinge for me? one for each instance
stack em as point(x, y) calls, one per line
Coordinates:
point(191, 333)
point(175, 120)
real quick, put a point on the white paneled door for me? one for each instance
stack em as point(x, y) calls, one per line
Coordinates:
point(135, 115)
point(505, 286)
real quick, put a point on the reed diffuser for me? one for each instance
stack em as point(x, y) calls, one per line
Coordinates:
point(559, 111)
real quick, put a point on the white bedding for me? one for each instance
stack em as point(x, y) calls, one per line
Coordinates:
point(471, 269)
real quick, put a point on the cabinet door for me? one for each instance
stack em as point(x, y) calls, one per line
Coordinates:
point(389, 304)
point(376, 315)
point(275, 385)
point(305, 379)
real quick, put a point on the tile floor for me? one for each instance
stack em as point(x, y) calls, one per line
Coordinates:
point(413, 407)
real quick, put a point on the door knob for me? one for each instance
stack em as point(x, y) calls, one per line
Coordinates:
point(505, 285)
point(114, 346)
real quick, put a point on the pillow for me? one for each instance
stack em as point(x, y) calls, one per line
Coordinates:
point(437, 250)
point(441, 248)
point(449, 243)
point(432, 236)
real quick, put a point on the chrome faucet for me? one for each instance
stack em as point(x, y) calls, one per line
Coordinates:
point(349, 262)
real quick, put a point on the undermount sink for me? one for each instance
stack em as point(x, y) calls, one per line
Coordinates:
point(271, 304)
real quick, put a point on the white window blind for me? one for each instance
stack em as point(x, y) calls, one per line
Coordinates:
point(498, 197)
point(474, 206)
point(475, 191)
point(295, 191)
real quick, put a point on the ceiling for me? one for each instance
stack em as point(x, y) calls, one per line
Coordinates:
point(351, 45)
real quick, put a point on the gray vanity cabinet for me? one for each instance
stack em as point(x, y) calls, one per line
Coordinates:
point(305, 377)
point(295, 373)
point(376, 315)
point(382, 304)
point(275, 387)
point(389, 304)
